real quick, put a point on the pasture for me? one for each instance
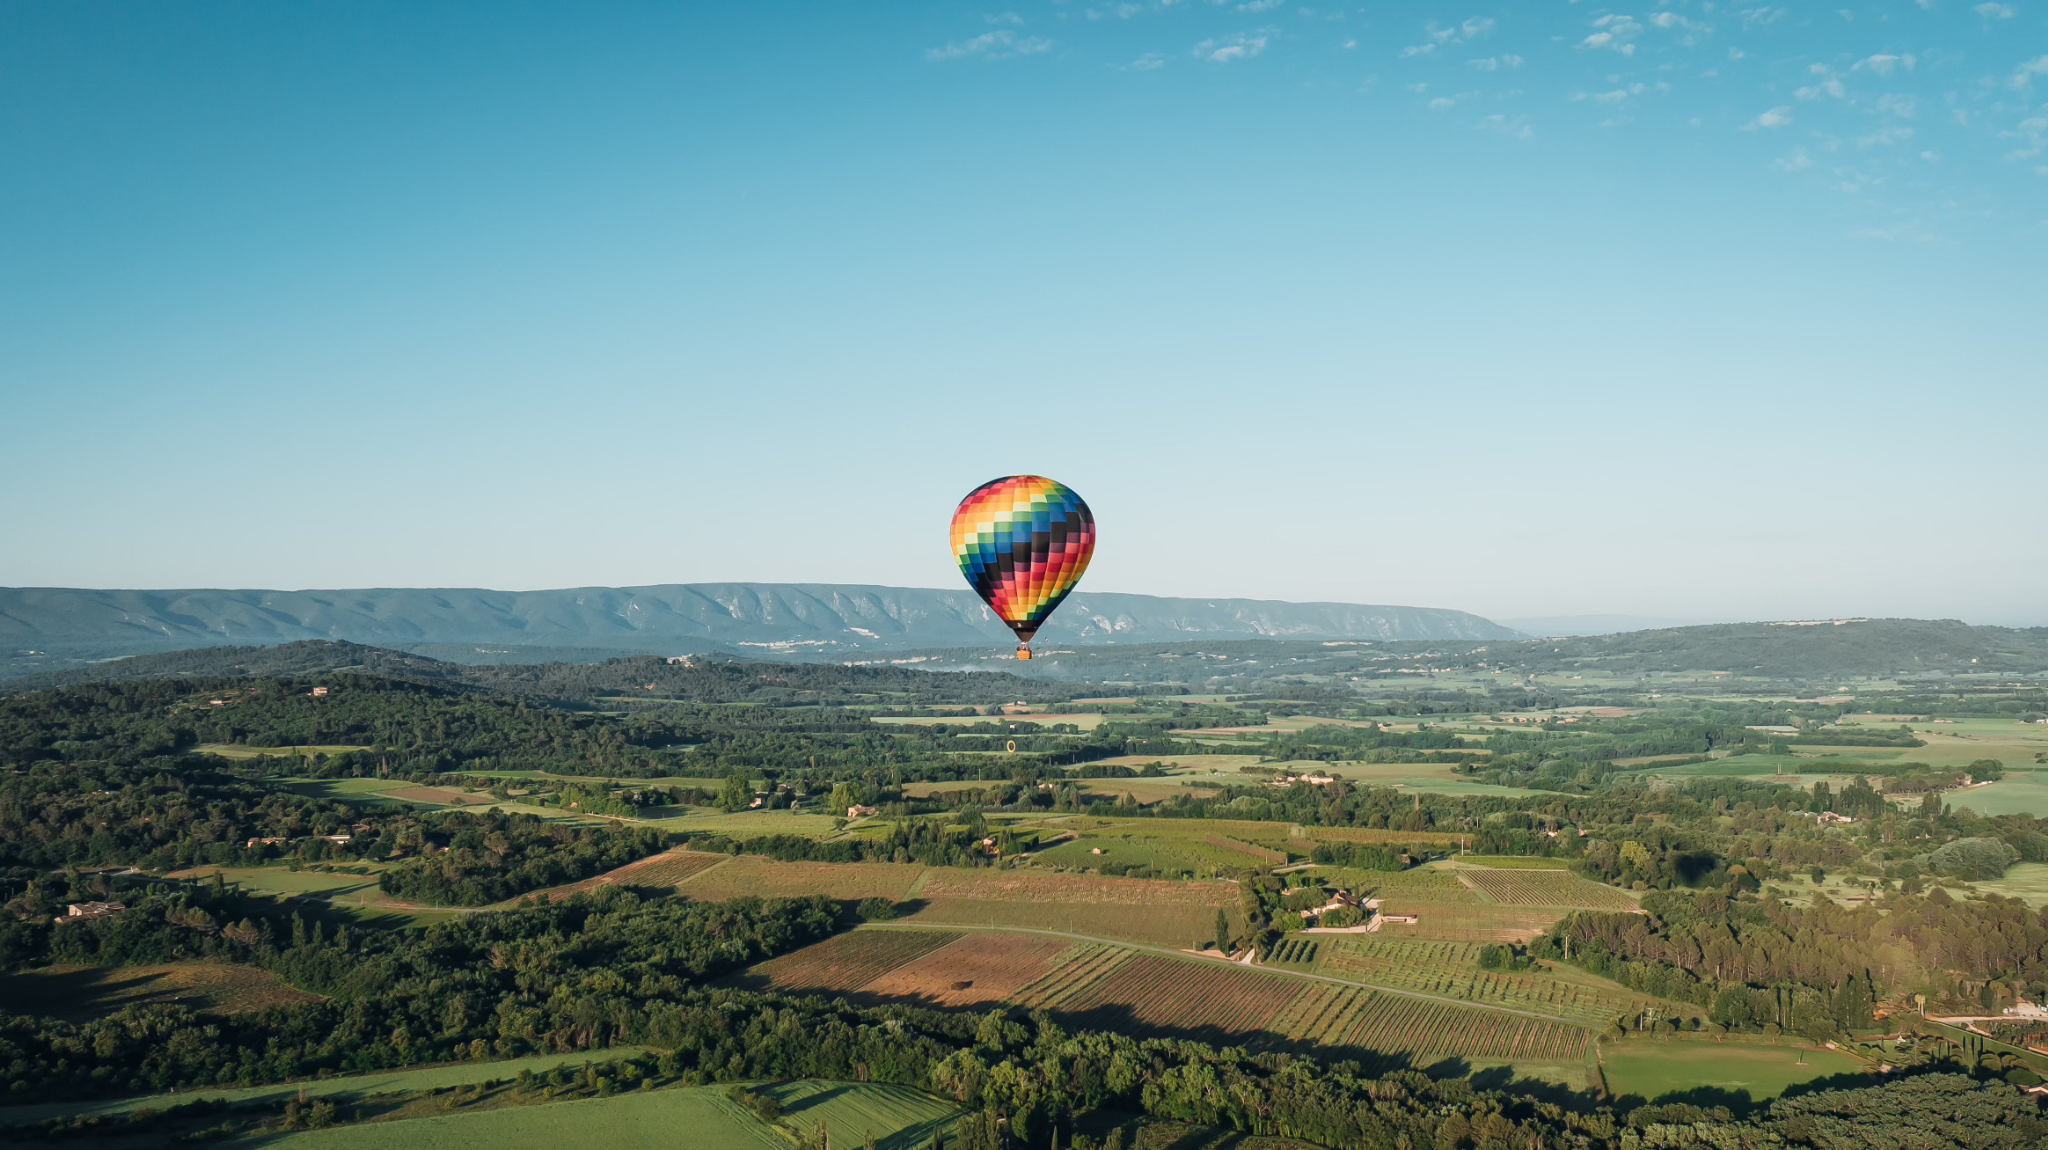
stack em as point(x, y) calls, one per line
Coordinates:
point(2027, 882)
point(80, 993)
point(347, 1086)
point(667, 870)
point(1655, 1068)
point(644, 1120)
point(897, 1117)
point(238, 751)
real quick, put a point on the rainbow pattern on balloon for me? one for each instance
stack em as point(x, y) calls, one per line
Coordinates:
point(1023, 542)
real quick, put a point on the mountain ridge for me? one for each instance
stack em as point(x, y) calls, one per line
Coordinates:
point(50, 627)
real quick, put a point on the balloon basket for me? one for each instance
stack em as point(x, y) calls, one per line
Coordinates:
point(1023, 652)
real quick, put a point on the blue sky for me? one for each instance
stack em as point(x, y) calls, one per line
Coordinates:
point(1684, 310)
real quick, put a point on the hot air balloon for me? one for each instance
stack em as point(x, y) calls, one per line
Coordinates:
point(1023, 542)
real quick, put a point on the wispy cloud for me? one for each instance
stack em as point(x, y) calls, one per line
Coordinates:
point(1236, 46)
point(1995, 11)
point(1150, 61)
point(1614, 33)
point(1884, 65)
point(1775, 118)
point(999, 44)
point(1513, 127)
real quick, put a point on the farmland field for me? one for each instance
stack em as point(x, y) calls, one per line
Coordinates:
point(1650, 1068)
point(1469, 921)
point(898, 1117)
point(344, 1086)
point(1544, 888)
point(667, 869)
point(1450, 970)
point(744, 876)
point(1098, 984)
point(849, 961)
point(643, 1120)
point(1208, 1000)
point(238, 751)
point(992, 967)
point(1397, 1024)
point(1162, 924)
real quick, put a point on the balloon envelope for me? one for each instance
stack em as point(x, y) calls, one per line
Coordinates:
point(1022, 542)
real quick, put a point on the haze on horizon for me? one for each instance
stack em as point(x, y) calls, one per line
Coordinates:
point(1684, 311)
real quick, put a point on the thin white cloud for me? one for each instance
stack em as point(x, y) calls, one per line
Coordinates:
point(1236, 46)
point(1149, 62)
point(996, 45)
point(1260, 5)
point(1442, 104)
point(1995, 11)
point(1884, 64)
point(1010, 18)
point(1514, 127)
point(1775, 118)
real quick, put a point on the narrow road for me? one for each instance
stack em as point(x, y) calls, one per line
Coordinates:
point(1187, 957)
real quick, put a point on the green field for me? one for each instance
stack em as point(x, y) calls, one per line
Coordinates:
point(281, 880)
point(237, 751)
point(700, 1117)
point(1652, 1068)
point(900, 1118)
point(2020, 792)
point(352, 1086)
point(2027, 882)
point(749, 824)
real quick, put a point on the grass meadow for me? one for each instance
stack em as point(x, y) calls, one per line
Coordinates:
point(1653, 1068)
point(649, 1120)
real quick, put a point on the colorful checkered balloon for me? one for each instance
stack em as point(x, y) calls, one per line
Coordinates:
point(1023, 542)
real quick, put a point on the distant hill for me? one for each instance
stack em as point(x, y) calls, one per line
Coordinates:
point(43, 629)
point(639, 678)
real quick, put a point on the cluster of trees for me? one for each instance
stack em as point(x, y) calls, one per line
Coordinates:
point(406, 729)
point(459, 858)
point(1755, 961)
point(159, 812)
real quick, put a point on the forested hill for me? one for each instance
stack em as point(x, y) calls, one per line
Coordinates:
point(1803, 649)
point(69, 625)
point(697, 678)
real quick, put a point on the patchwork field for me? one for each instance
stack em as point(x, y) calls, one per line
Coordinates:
point(1547, 888)
point(1099, 984)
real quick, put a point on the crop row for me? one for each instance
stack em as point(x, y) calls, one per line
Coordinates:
point(1449, 969)
point(850, 961)
point(1172, 994)
point(1546, 888)
point(1298, 951)
point(1422, 1027)
point(1081, 965)
point(978, 968)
